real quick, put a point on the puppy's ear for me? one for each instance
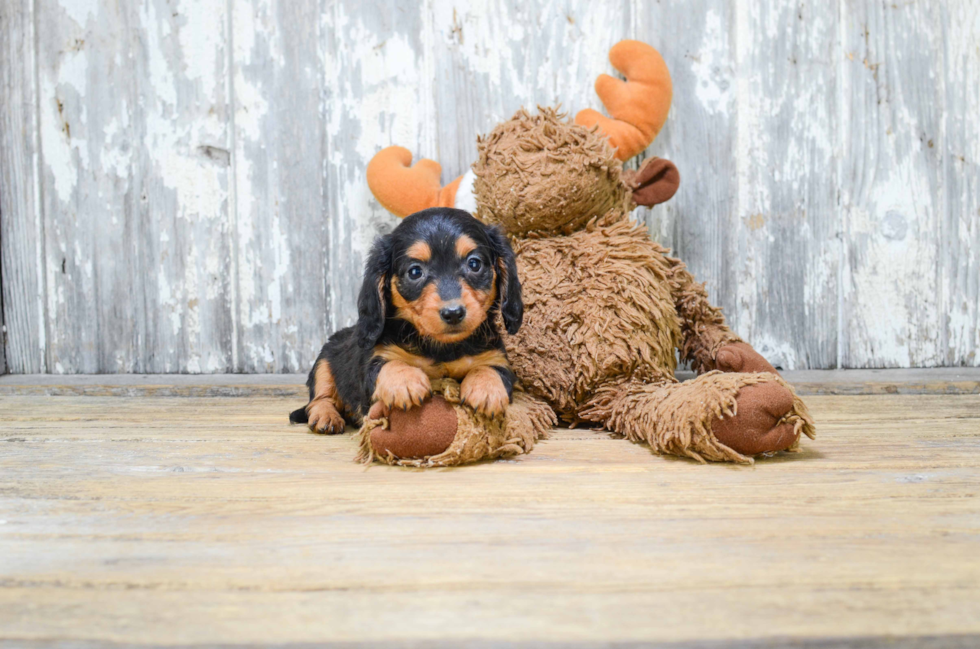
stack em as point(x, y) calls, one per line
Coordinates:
point(508, 284)
point(371, 302)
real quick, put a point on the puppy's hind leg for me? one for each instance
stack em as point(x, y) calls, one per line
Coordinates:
point(322, 413)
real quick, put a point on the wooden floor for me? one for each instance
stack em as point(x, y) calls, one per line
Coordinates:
point(162, 520)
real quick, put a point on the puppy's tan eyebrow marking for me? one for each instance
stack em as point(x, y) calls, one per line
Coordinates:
point(420, 251)
point(464, 246)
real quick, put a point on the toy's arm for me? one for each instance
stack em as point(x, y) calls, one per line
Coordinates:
point(639, 105)
point(708, 342)
point(402, 189)
point(703, 326)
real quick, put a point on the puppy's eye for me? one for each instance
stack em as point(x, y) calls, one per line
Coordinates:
point(415, 272)
point(474, 264)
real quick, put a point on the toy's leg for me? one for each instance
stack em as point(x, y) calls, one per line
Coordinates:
point(444, 431)
point(717, 416)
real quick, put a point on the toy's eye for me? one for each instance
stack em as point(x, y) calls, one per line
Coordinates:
point(415, 272)
point(474, 263)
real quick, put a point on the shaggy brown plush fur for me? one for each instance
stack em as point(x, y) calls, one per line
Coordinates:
point(676, 418)
point(597, 304)
point(535, 174)
point(607, 302)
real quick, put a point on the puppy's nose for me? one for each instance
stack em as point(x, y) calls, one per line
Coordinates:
point(453, 314)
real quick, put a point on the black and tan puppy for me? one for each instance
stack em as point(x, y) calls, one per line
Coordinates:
point(426, 310)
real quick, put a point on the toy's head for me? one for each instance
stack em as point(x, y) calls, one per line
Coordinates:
point(544, 174)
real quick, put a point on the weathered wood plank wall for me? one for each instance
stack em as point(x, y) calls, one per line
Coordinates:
point(182, 183)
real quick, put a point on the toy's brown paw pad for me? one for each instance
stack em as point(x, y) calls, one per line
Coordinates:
point(755, 428)
point(402, 386)
point(324, 418)
point(419, 432)
point(483, 390)
point(740, 357)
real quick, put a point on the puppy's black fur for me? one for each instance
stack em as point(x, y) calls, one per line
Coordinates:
point(352, 353)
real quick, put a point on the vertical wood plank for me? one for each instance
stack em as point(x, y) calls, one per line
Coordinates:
point(696, 40)
point(90, 194)
point(135, 177)
point(3, 329)
point(891, 183)
point(21, 227)
point(378, 92)
point(182, 221)
point(281, 188)
point(960, 240)
point(494, 56)
point(786, 251)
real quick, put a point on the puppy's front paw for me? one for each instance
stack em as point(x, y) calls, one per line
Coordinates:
point(324, 418)
point(401, 386)
point(484, 391)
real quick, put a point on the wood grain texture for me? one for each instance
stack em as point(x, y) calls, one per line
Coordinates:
point(699, 137)
point(891, 184)
point(936, 380)
point(184, 191)
point(195, 521)
point(91, 186)
point(132, 107)
point(378, 93)
point(283, 251)
point(184, 224)
point(21, 230)
point(493, 57)
point(960, 232)
point(787, 182)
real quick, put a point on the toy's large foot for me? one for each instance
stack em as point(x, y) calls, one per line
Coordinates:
point(760, 423)
point(445, 431)
point(419, 432)
point(717, 416)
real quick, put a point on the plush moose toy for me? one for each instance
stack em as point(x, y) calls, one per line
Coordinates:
point(606, 308)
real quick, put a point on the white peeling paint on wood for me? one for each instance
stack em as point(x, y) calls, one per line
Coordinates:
point(282, 245)
point(892, 184)
point(21, 233)
point(184, 220)
point(959, 242)
point(494, 56)
point(183, 189)
point(787, 182)
point(378, 93)
point(699, 137)
point(89, 135)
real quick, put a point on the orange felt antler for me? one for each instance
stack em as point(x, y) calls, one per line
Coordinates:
point(404, 190)
point(639, 106)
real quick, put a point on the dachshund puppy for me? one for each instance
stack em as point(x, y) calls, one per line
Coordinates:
point(427, 309)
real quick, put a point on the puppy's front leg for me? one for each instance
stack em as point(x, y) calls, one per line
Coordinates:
point(488, 389)
point(323, 410)
point(399, 385)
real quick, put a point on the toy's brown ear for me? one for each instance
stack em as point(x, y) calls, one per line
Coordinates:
point(656, 182)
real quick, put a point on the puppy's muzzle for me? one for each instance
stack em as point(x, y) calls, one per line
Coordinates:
point(453, 314)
